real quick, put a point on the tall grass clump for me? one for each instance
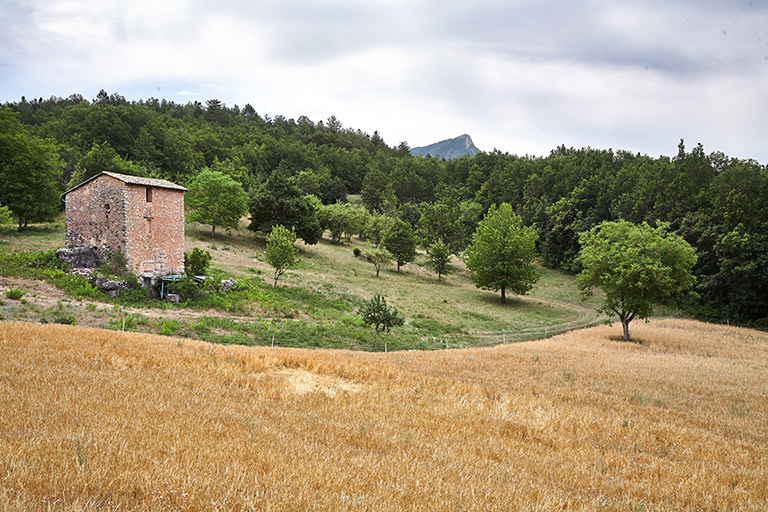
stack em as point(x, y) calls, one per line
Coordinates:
point(15, 293)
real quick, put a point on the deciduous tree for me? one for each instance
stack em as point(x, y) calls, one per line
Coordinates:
point(400, 241)
point(217, 200)
point(103, 158)
point(379, 257)
point(440, 259)
point(376, 190)
point(29, 170)
point(635, 266)
point(281, 251)
point(279, 201)
point(382, 317)
point(439, 222)
point(502, 252)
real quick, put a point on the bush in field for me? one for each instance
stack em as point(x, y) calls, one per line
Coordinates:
point(186, 288)
point(197, 263)
point(15, 293)
point(32, 265)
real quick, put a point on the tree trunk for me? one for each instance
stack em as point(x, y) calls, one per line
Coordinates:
point(625, 325)
point(503, 296)
point(213, 231)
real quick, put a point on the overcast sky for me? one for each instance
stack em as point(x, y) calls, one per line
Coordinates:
point(521, 76)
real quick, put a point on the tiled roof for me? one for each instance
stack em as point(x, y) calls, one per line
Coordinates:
point(132, 180)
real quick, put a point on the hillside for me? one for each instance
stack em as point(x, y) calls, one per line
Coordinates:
point(315, 304)
point(714, 201)
point(100, 420)
point(448, 149)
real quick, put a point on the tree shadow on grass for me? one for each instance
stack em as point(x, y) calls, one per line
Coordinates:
point(494, 299)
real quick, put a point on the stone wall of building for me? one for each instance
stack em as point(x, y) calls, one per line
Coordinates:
point(144, 223)
point(155, 230)
point(94, 215)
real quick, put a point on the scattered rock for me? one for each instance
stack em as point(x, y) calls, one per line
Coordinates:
point(84, 272)
point(227, 285)
point(172, 297)
point(104, 284)
point(113, 288)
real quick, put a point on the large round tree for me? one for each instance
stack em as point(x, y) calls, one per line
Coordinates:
point(400, 240)
point(29, 170)
point(635, 266)
point(280, 202)
point(217, 200)
point(501, 255)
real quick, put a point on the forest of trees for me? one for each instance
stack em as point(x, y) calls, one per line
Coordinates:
point(717, 203)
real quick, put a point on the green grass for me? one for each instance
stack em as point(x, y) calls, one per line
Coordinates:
point(35, 237)
point(315, 304)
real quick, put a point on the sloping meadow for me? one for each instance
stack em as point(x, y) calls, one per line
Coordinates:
point(101, 420)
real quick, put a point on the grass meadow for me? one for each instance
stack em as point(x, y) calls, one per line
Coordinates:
point(315, 304)
point(92, 419)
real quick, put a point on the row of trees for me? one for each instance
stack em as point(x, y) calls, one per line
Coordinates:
point(714, 202)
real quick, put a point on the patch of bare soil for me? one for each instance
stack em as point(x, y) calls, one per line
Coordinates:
point(38, 292)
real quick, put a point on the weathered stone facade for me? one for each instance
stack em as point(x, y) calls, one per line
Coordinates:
point(140, 217)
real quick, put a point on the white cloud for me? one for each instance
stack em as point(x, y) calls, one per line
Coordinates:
point(522, 76)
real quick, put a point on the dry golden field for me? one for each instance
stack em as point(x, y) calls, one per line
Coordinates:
point(102, 420)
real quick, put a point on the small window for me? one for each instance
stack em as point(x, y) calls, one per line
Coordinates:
point(149, 194)
point(106, 206)
point(149, 226)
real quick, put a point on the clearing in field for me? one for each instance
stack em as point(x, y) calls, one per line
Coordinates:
point(99, 420)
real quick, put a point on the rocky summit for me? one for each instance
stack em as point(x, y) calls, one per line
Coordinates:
point(448, 149)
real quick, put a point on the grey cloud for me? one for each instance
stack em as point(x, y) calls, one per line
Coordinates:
point(526, 75)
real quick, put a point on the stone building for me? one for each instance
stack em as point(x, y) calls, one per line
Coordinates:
point(142, 218)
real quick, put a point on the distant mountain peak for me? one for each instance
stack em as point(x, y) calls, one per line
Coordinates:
point(448, 149)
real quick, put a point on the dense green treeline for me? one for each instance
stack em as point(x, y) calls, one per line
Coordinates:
point(715, 202)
